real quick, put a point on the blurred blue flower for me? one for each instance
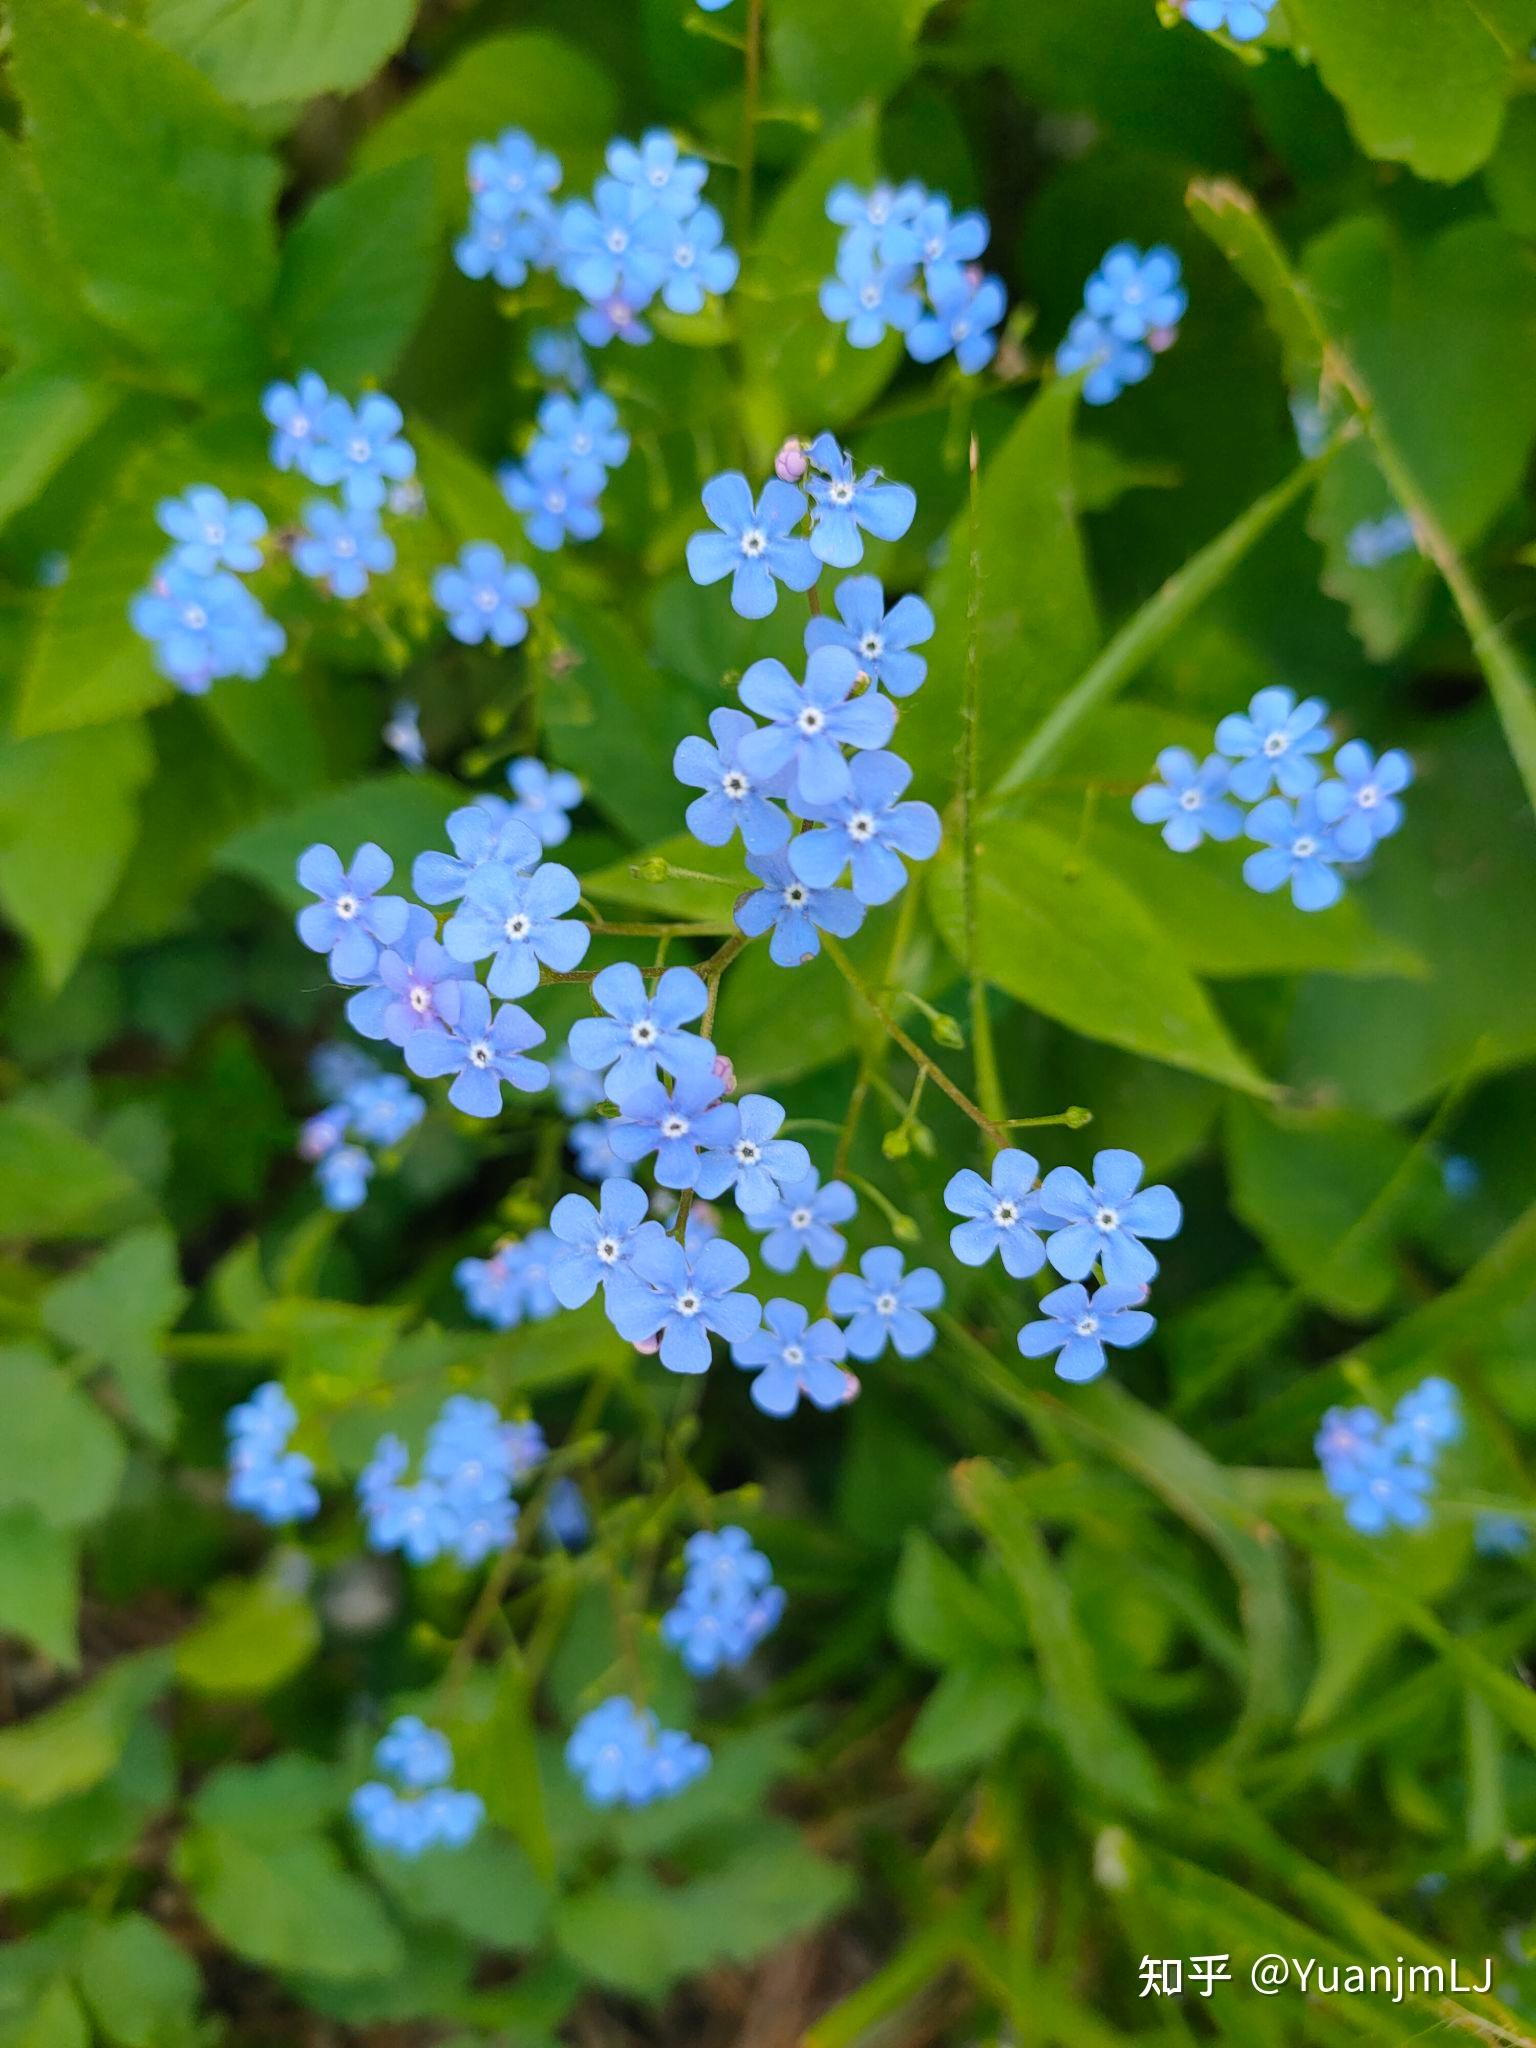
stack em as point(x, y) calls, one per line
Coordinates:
point(586, 432)
point(1375, 541)
point(487, 833)
point(555, 502)
point(402, 734)
point(293, 411)
point(623, 1758)
point(485, 596)
point(1299, 848)
point(342, 1176)
point(727, 1605)
point(1112, 364)
point(876, 208)
point(967, 312)
point(1190, 802)
point(595, 1157)
point(542, 798)
point(342, 546)
point(383, 1108)
point(699, 262)
point(1428, 1419)
point(1134, 294)
point(935, 236)
point(1368, 810)
point(1273, 744)
point(1244, 20)
point(417, 1755)
point(657, 172)
point(868, 297)
point(360, 448)
point(265, 1477)
point(1501, 1536)
point(210, 532)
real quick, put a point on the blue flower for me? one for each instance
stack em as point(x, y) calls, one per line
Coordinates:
point(597, 1243)
point(265, 1477)
point(967, 311)
point(673, 1123)
point(755, 545)
point(867, 297)
point(602, 254)
point(883, 1307)
point(792, 1356)
point(794, 911)
point(384, 1108)
point(541, 798)
point(293, 411)
point(462, 1504)
point(1383, 1486)
point(360, 448)
point(402, 734)
point(868, 831)
point(1105, 1222)
point(1111, 364)
point(342, 546)
point(733, 799)
point(881, 640)
point(485, 596)
point(1135, 294)
point(517, 922)
point(596, 1159)
point(1363, 803)
point(877, 208)
point(431, 1814)
point(845, 504)
point(576, 1090)
point(1501, 1536)
point(1001, 1215)
point(699, 261)
point(554, 501)
point(1190, 802)
point(480, 1053)
point(204, 628)
point(513, 1284)
point(557, 353)
point(642, 1030)
point(334, 1068)
point(1428, 1420)
point(1078, 1325)
point(1299, 848)
point(935, 236)
point(342, 1175)
point(727, 1605)
point(417, 1755)
point(623, 1758)
point(405, 997)
point(683, 1298)
point(657, 172)
point(1273, 743)
point(502, 246)
point(351, 920)
point(1244, 20)
point(211, 533)
point(809, 724)
point(566, 1520)
point(511, 176)
point(1375, 541)
point(800, 1222)
point(586, 432)
point(484, 834)
point(748, 1156)
point(614, 318)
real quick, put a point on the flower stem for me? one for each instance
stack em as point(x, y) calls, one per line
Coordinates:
point(913, 1051)
point(750, 93)
point(983, 1050)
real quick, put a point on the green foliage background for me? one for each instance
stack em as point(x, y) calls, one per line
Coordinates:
point(1070, 1675)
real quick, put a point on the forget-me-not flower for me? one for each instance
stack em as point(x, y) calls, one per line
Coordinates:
point(794, 911)
point(596, 1243)
point(699, 261)
point(351, 919)
point(869, 831)
point(518, 922)
point(810, 723)
point(1298, 847)
point(750, 1157)
point(683, 1299)
point(868, 297)
point(361, 448)
point(881, 640)
point(883, 1304)
point(485, 596)
point(792, 1356)
point(935, 235)
point(967, 312)
point(293, 412)
point(480, 1052)
point(673, 1123)
point(1001, 1215)
point(800, 1222)
point(342, 546)
point(1190, 802)
point(554, 501)
point(542, 798)
point(1243, 20)
point(876, 208)
point(1111, 364)
point(1105, 1221)
point(1077, 1326)
point(847, 506)
point(1428, 1418)
point(595, 1157)
point(211, 533)
point(733, 800)
point(642, 1031)
point(756, 545)
point(623, 1758)
point(483, 834)
point(1134, 294)
point(657, 170)
point(587, 433)
point(1371, 811)
point(405, 996)
point(1273, 743)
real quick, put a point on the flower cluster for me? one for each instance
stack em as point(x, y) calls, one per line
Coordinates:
point(369, 1107)
point(906, 261)
point(1305, 825)
point(727, 1605)
point(645, 233)
point(429, 1812)
point(512, 1285)
point(265, 1477)
point(557, 485)
point(1375, 541)
point(1082, 1229)
point(1244, 20)
point(201, 620)
point(1382, 1471)
point(461, 1504)
point(623, 1756)
point(1132, 306)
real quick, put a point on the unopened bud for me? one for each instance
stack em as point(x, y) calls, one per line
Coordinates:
point(947, 1032)
point(851, 1387)
point(896, 1144)
point(1076, 1118)
point(724, 1073)
point(1161, 339)
point(790, 465)
point(904, 1229)
point(648, 1346)
point(652, 869)
point(922, 1138)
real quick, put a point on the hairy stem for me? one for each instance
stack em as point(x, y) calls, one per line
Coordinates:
point(913, 1051)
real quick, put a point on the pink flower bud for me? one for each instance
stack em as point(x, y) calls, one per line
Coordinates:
point(724, 1073)
point(851, 1386)
point(790, 464)
point(648, 1346)
point(1161, 339)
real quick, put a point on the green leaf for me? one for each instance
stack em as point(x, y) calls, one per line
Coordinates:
point(1425, 88)
point(486, 1891)
point(527, 78)
point(1070, 939)
point(69, 815)
point(288, 1795)
point(1234, 223)
point(41, 314)
point(115, 1311)
point(71, 1747)
point(39, 1584)
point(58, 1453)
point(1036, 627)
point(971, 1716)
point(356, 273)
point(613, 722)
point(39, 1846)
point(257, 1633)
point(44, 417)
point(53, 1183)
point(940, 1615)
point(176, 245)
point(55, 2021)
point(403, 813)
point(834, 56)
point(287, 1905)
point(260, 52)
point(142, 1990)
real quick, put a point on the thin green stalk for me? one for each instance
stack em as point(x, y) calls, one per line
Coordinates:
point(1156, 623)
point(983, 1051)
point(913, 1051)
point(750, 93)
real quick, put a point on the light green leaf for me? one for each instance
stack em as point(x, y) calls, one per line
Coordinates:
point(260, 52)
point(58, 1453)
point(940, 1615)
point(115, 1311)
point(834, 56)
point(971, 1716)
point(53, 1183)
point(39, 1583)
point(71, 1747)
point(288, 1795)
point(142, 1990)
point(176, 245)
point(41, 314)
point(288, 1905)
point(613, 721)
point(44, 417)
point(69, 815)
point(1070, 939)
point(486, 1891)
point(256, 1635)
point(356, 274)
point(39, 1846)
point(402, 813)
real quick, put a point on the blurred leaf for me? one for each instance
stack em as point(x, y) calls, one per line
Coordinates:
point(58, 1453)
point(1232, 220)
point(114, 1312)
point(834, 57)
point(263, 51)
point(44, 418)
point(142, 1990)
point(357, 272)
point(39, 1593)
point(403, 813)
point(256, 1635)
point(290, 1794)
point(971, 1716)
point(486, 1891)
point(53, 1183)
point(176, 246)
point(288, 1905)
point(940, 1615)
point(70, 1747)
point(39, 1846)
point(1059, 932)
point(41, 314)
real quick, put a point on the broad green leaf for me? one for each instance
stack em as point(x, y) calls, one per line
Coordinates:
point(938, 1612)
point(54, 1183)
point(486, 1891)
point(44, 417)
point(1036, 628)
point(141, 1988)
point(256, 1635)
point(39, 1590)
point(1232, 220)
point(288, 1795)
point(613, 720)
point(402, 813)
point(260, 52)
point(971, 1716)
point(176, 245)
point(1064, 935)
point(527, 78)
point(115, 1311)
point(70, 1747)
point(288, 1905)
point(58, 1452)
point(357, 272)
point(41, 314)
point(835, 56)
point(55, 2021)
point(41, 1845)
point(1425, 88)
point(69, 815)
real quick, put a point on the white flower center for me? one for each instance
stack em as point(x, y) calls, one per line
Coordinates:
point(194, 617)
point(518, 925)
point(607, 1249)
point(1275, 744)
point(960, 330)
point(581, 444)
point(421, 999)
point(793, 1355)
point(1189, 800)
point(480, 1054)
point(347, 906)
point(486, 598)
point(213, 533)
point(747, 1153)
point(554, 499)
point(682, 256)
point(735, 785)
point(840, 493)
point(1005, 1215)
point(872, 647)
point(1088, 1326)
point(359, 450)
point(933, 248)
point(800, 1219)
point(618, 240)
point(674, 1126)
point(811, 720)
point(346, 547)
point(885, 1304)
point(869, 296)
point(659, 174)
point(1303, 848)
point(689, 1303)
point(1106, 1218)
point(1367, 796)
point(796, 896)
point(753, 542)
point(861, 826)
point(643, 1033)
